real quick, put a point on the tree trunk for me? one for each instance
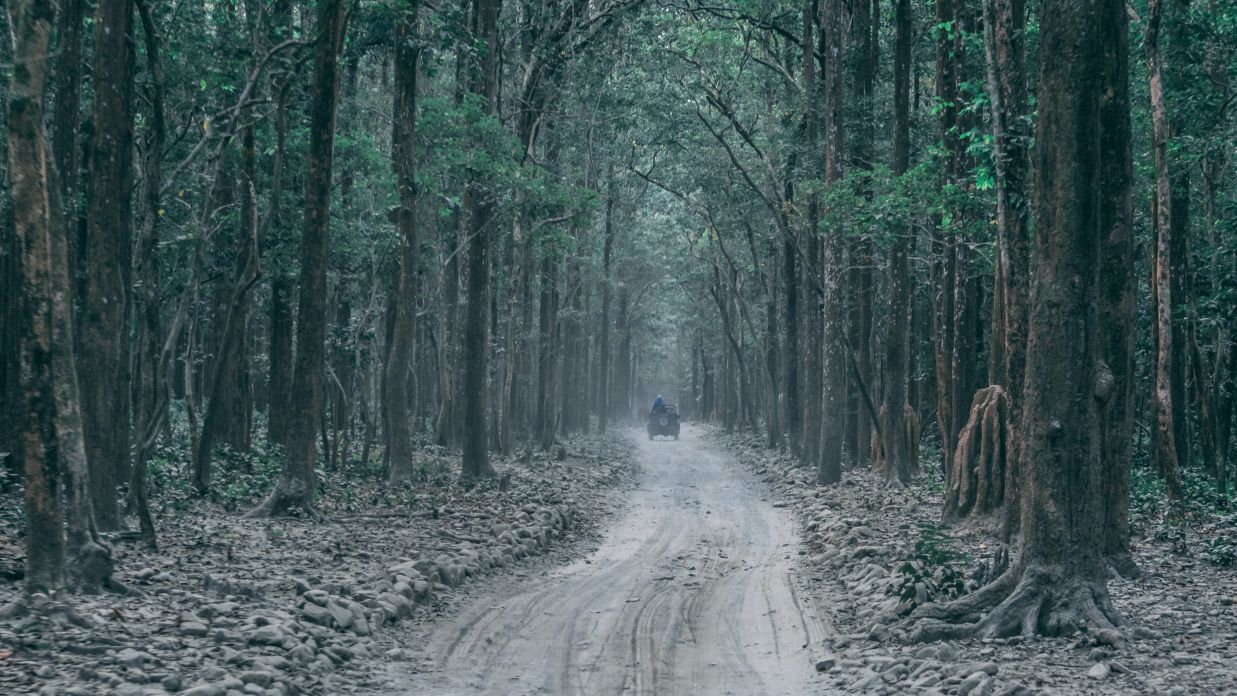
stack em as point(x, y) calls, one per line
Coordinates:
point(403, 160)
point(548, 369)
point(280, 356)
point(864, 27)
point(105, 327)
point(803, 312)
point(1165, 450)
point(482, 81)
point(1057, 585)
point(66, 133)
point(981, 474)
point(976, 482)
point(621, 405)
point(948, 260)
point(61, 544)
point(896, 454)
point(603, 367)
point(279, 347)
point(45, 457)
point(294, 491)
point(155, 352)
point(66, 139)
point(833, 357)
point(12, 402)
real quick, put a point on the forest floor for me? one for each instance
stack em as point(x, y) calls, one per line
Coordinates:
point(277, 607)
point(866, 543)
point(705, 566)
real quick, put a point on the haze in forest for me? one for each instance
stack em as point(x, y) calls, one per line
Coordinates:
point(386, 346)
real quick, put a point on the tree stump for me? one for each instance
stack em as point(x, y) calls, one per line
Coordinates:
point(976, 482)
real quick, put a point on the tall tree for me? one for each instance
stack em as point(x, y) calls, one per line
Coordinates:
point(1058, 582)
point(482, 83)
point(294, 490)
point(403, 161)
point(30, 29)
point(61, 544)
point(104, 375)
point(833, 358)
point(1166, 430)
point(282, 288)
point(896, 447)
point(603, 349)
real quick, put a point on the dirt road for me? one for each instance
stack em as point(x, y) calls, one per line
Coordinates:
point(691, 592)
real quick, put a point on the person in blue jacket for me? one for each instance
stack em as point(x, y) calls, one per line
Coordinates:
point(658, 405)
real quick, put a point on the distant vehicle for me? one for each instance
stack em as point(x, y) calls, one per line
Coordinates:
point(664, 420)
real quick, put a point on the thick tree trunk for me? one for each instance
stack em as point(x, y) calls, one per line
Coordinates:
point(1058, 583)
point(104, 322)
point(294, 490)
point(478, 220)
point(403, 160)
point(44, 456)
point(61, 544)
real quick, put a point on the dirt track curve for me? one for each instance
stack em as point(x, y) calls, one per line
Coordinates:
point(690, 593)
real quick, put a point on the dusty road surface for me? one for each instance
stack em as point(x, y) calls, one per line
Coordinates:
point(691, 592)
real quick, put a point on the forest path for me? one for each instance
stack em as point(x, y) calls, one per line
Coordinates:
point(691, 592)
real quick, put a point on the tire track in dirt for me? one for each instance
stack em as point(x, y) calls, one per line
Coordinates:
point(690, 592)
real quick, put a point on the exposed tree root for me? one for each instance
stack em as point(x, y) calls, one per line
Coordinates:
point(977, 480)
point(47, 607)
point(290, 498)
point(1036, 601)
point(1123, 564)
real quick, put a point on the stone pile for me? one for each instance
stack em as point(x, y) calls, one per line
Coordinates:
point(234, 607)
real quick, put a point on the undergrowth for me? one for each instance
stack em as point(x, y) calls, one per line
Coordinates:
point(1201, 509)
point(933, 572)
